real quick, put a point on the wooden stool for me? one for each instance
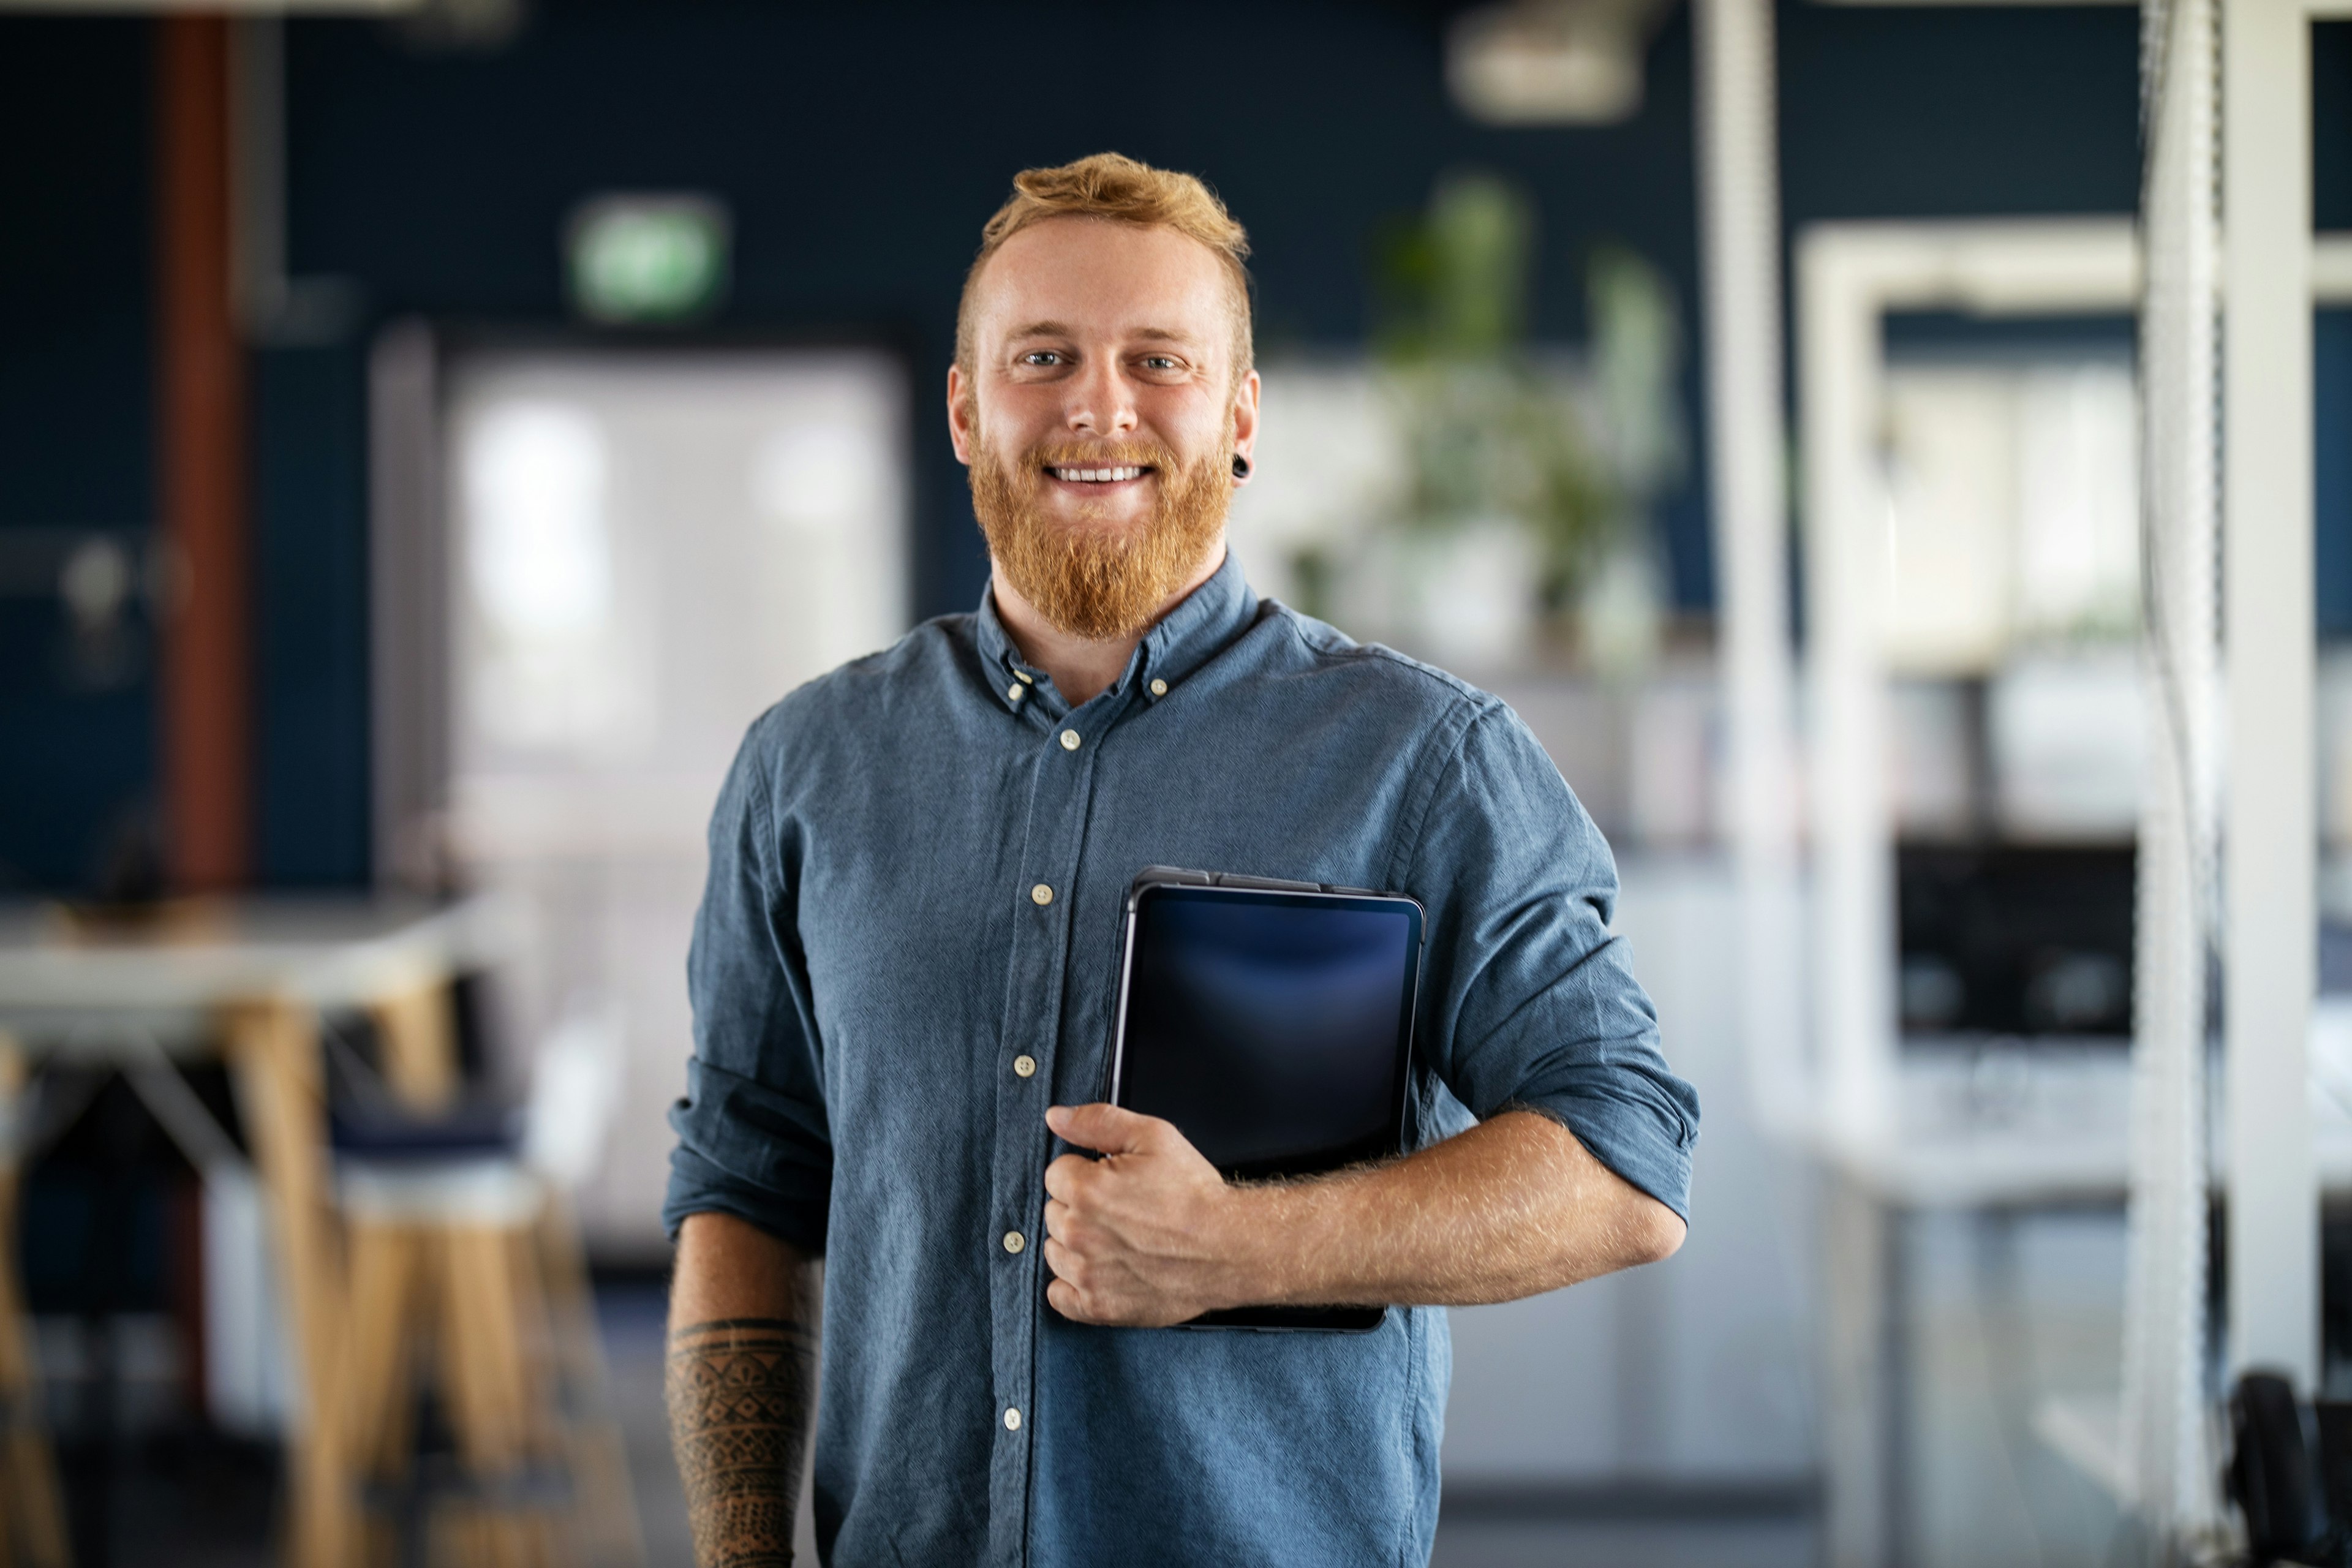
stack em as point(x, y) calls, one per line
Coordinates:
point(470, 1263)
point(607, 1515)
point(273, 1050)
point(466, 1273)
point(444, 1257)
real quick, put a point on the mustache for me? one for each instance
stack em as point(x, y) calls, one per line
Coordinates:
point(1101, 454)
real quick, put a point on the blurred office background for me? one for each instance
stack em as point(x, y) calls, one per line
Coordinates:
point(430, 432)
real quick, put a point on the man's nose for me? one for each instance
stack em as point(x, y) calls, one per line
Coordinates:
point(1101, 401)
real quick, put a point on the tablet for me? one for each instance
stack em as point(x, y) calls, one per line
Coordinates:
point(1271, 1023)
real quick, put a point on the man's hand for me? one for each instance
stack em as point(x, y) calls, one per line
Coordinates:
point(1143, 1237)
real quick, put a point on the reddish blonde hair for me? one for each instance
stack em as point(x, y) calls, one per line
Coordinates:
point(1119, 190)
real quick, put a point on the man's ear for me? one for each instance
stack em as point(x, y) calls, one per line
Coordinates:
point(1246, 417)
point(960, 412)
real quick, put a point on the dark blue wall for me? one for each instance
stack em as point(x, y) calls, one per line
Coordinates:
point(76, 417)
point(859, 148)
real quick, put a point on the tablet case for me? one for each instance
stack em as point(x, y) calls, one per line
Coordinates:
point(1345, 1320)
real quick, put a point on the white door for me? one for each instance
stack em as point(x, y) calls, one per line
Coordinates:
point(647, 548)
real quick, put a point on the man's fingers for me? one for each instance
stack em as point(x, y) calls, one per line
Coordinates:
point(1098, 1274)
point(1066, 1175)
point(1105, 1129)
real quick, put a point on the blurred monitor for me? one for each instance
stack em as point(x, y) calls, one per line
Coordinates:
point(2016, 940)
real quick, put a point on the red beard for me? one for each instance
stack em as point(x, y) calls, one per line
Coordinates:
point(1095, 579)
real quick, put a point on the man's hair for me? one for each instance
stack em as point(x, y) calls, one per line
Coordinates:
point(1119, 190)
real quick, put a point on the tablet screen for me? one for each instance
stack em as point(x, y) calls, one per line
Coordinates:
point(1270, 1028)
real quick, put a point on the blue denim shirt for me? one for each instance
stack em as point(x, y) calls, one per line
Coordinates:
point(909, 949)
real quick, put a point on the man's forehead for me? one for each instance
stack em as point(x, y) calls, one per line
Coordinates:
point(1074, 274)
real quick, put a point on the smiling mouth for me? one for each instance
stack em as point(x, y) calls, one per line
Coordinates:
point(1111, 476)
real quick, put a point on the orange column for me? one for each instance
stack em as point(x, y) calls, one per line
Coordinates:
point(205, 673)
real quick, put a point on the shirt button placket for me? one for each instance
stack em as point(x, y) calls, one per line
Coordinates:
point(1056, 826)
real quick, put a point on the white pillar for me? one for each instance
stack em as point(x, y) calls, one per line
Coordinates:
point(1739, 225)
point(2271, 834)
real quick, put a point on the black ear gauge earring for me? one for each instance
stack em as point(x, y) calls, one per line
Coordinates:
point(1241, 467)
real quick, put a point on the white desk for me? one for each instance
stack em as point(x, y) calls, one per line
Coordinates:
point(2000, 1129)
point(244, 981)
point(174, 980)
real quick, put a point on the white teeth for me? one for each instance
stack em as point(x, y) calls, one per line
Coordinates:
point(1099, 476)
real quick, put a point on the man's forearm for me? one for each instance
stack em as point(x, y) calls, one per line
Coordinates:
point(741, 1380)
point(1512, 1207)
point(1149, 1234)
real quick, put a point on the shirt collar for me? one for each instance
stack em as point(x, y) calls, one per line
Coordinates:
point(1183, 640)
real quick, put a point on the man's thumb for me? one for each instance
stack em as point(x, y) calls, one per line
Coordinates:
point(1105, 1129)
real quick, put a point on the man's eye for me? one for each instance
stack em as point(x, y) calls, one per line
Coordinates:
point(1159, 362)
point(1041, 357)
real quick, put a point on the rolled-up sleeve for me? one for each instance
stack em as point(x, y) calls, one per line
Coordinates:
point(1532, 1002)
point(752, 1135)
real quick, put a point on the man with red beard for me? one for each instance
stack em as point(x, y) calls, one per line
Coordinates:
point(905, 965)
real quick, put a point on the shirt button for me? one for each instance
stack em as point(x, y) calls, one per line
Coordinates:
point(1023, 677)
point(1012, 1420)
point(1070, 740)
point(1016, 691)
point(1024, 1066)
point(1014, 1241)
point(1041, 895)
point(1160, 688)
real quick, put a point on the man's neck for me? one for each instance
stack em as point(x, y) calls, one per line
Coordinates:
point(1082, 669)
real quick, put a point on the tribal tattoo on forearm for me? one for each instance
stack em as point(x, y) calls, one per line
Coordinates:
point(739, 1391)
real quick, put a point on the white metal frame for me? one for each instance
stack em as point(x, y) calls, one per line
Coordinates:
point(1850, 276)
point(2269, 271)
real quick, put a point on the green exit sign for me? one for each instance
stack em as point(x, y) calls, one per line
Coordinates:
point(647, 259)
